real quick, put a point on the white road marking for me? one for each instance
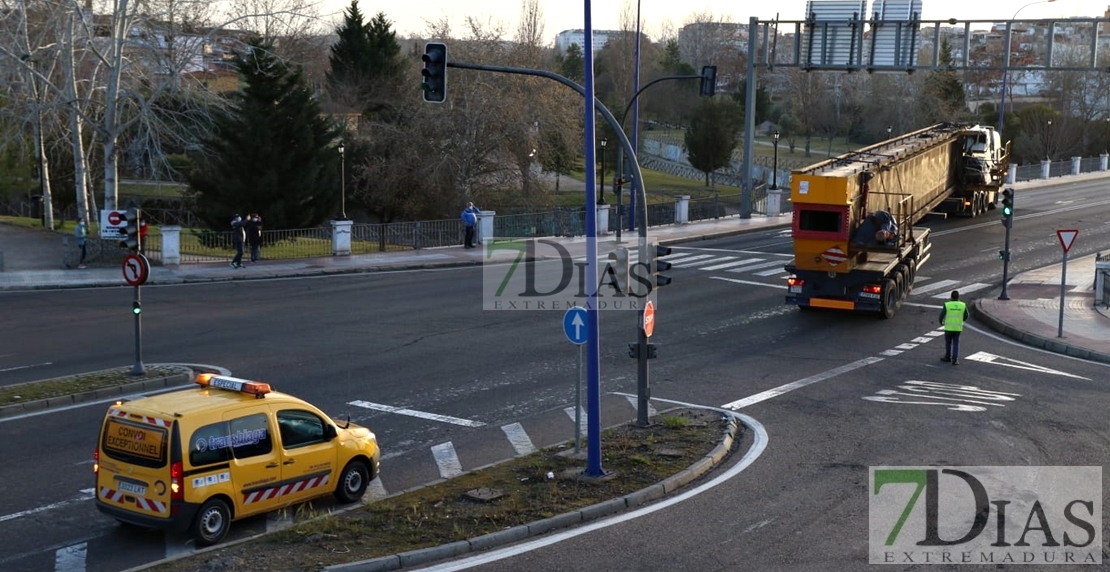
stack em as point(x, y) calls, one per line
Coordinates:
point(933, 334)
point(420, 414)
point(684, 261)
point(731, 264)
point(670, 257)
point(635, 401)
point(758, 446)
point(751, 267)
point(905, 346)
point(771, 272)
point(26, 366)
point(985, 357)
point(585, 418)
point(519, 439)
point(934, 286)
point(377, 489)
point(763, 396)
point(965, 289)
point(710, 261)
point(922, 340)
point(86, 494)
point(447, 460)
point(71, 558)
point(748, 282)
point(890, 352)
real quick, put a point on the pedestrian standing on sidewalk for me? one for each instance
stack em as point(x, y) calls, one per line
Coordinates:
point(81, 233)
point(253, 226)
point(238, 235)
point(470, 219)
point(952, 317)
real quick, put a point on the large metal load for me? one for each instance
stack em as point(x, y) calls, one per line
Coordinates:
point(855, 246)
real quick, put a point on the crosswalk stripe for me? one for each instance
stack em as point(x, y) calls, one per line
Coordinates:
point(675, 256)
point(755, 266)
point(690, 259)
point(731, 264)
point(447, 460)
point(771, 272)
point(965, 289)
point(377, 489)
point(519, 439)
point(693, 262)
point(934, 286)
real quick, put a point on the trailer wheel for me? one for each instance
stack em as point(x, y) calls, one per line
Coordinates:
point(891, 300)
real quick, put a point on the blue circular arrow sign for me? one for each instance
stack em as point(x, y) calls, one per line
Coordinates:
point(574, 325)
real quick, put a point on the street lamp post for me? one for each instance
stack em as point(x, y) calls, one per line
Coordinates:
point(1006, 62)
point(775, 171)
point(342, 182)
point(1047, 139)
point(888, 130)
point(601, 195)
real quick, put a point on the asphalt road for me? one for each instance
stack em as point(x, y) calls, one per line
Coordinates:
point(420, 340)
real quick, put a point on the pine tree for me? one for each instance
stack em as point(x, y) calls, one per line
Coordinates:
point(945, 99)
point(350, 59)
point(713, 134)
point(271, 151)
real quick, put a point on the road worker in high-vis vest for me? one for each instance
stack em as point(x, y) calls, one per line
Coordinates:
point(952, 317)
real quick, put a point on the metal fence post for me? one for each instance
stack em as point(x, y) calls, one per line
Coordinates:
point(416, 236)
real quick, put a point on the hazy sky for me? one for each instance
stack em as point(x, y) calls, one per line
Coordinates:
point(408, 19)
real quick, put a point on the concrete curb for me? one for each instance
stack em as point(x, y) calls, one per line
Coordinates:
point(135, 387)
point(1055, 346)
point(518, 533)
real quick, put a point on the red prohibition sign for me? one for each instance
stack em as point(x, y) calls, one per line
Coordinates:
point(114, 218)
point(136, 269)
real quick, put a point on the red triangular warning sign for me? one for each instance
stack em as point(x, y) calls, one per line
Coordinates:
point(1067, 237)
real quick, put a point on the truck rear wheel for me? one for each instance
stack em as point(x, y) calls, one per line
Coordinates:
point(891, 299)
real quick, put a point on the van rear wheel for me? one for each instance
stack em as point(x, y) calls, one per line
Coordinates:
point(352, 482)
point(211, 523)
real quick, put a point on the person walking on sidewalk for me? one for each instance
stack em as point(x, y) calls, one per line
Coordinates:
point(81, 233)
point(952, 317)
point(470, 219)
point(238, 235)
point(253, 226)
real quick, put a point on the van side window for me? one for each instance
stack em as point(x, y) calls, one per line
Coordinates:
point(299, 428)
point(206, 445)
point(250, 436)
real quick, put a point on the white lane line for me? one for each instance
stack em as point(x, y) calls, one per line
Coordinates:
point(700, 262)
point(759, 444)
point(933, 334)
point(71, 558)
point(584, 424)
point(771, 272)
point(922, 340)
point(447, 460)
point(635, 401)
point(751, 267)
point(905, 346)
point(775, 392)
point(420, 414)
point(669, 257)
point(966, 289)
point(731, 264)
point(86, 494)
point(519, 439)
point(934, 286)
point(377, 489)
point(691, 259)
point(748, 282)
point(26, 366)
point(890, 352)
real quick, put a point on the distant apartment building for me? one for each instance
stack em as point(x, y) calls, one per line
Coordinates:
point(600, 37)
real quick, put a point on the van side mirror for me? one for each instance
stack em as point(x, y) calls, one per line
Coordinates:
point(329, 432)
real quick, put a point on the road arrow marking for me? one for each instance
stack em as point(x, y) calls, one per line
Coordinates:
point(985, 357)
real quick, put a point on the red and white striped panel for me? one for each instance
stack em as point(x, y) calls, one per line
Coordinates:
point(148, 420)
point(108, 494)
point(288, 488)
point(146, 504)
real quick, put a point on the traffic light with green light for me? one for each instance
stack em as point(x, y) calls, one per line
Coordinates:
point(1007, 203)
point(136, 308)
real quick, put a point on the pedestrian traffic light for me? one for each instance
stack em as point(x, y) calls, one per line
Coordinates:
point(658, 265)
point(1007, 203)
point(708, 81)
point(618, 269)
point(136, 308)
point(131, 239)
point(434, 85)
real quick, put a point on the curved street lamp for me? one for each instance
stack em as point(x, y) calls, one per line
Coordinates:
point(775, 172)
point(1006, 62)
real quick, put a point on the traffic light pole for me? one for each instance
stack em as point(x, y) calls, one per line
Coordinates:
point(136, 308)
point(1006, 264)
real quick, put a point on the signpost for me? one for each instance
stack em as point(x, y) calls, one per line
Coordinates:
point(136, 269)
point(574, 326)
point(1067, 238)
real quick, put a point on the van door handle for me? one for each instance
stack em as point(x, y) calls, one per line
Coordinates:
point(290, 462)
point(272, 466)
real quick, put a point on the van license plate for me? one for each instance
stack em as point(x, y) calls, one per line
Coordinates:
point(133, 489)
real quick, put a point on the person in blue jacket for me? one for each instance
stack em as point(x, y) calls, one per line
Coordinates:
point(470, 220)
point(952, 317)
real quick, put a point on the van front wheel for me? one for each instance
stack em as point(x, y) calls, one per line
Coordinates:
point(352, 482)
point(212, 522)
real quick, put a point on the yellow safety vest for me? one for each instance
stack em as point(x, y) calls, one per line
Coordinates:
point(954, 316)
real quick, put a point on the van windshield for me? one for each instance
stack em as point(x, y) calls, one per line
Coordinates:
point(136, 443)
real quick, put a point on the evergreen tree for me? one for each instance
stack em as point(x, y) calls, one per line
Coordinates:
point(365, 62)
point(762, 100)
point(271, 151)
point(572, 65)
point(713, 133)
point(945, 99)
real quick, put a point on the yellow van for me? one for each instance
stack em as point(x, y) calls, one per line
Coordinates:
point(197, 459)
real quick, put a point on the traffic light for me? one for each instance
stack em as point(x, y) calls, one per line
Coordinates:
point(658, 266)
point(131, 239)
point(434, 72)
point(708, 81)
point(136, 308)
point(618, 269)
point(1007, 203)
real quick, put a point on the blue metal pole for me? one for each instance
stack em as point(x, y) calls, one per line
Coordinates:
point(635, 122)
point(593, 348)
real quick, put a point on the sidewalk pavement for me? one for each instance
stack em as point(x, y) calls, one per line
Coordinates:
point(1031, 315)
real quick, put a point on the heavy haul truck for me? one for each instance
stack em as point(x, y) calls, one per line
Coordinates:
point(855, 243)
